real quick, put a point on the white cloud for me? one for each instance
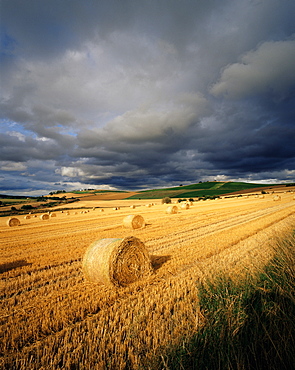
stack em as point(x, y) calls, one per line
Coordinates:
point(12, 166)
point(19, 135)
point(69, 171)
point(269, 68)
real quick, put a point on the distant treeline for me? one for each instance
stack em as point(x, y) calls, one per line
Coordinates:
point(15, 196)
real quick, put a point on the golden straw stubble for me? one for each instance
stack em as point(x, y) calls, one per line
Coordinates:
point(134, 222)
point(116, 262)
point(13, 221)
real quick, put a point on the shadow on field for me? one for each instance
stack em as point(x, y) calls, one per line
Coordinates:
point(264, 340)
point(13, 265)
point(158, 261)
point(268, 333)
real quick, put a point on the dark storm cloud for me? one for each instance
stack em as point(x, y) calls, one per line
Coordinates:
point(136, 94)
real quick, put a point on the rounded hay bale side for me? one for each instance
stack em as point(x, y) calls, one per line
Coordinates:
point(116, 262)
point(44, 216)
point(134, 222)
point(13, 221)
point(184, 206)
point(172, 209)
point(27, 217)
point(102, 210)
point(133, 206)
point(52, 215)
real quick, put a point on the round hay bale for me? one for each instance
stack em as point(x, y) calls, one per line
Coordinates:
point(184, 206)
point(172, 209)
point(134, 222)
point(52, 215)
point(13, 221)
point(276, 197)
point(148, 205)
point(261, 196)
point(45, 216)
point(133, 206)
point(102, 210)
point(27, 217)
point(116, 262)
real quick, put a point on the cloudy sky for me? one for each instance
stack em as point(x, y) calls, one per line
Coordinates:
point(139, 94)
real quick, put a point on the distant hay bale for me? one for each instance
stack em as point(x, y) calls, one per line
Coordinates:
point(44, 216)
point(93, 209)
point(102, 210)
point(276, 197)
point(52, 215)
point(115, 208)
point(148, 205)
point(68, 213)
point(184, 206)
point(261, 196)
point(133, 206)
point(13, 221)
point(116, 262)
point(134, 222)
point(172, 209)
point(27, 217)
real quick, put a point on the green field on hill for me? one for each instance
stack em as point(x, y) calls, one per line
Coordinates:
point(210, 188)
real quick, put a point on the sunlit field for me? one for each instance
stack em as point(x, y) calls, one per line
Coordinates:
point(53, 318)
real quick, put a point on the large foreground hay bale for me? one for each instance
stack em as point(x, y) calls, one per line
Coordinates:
point(45, 216)
point(117, 262)
point(13, 221)
point(134, 222)
point(172, 209)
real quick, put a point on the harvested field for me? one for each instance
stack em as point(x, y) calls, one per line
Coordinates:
point(52, 317)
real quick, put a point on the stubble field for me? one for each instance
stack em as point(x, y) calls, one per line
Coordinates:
point(52, 318)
